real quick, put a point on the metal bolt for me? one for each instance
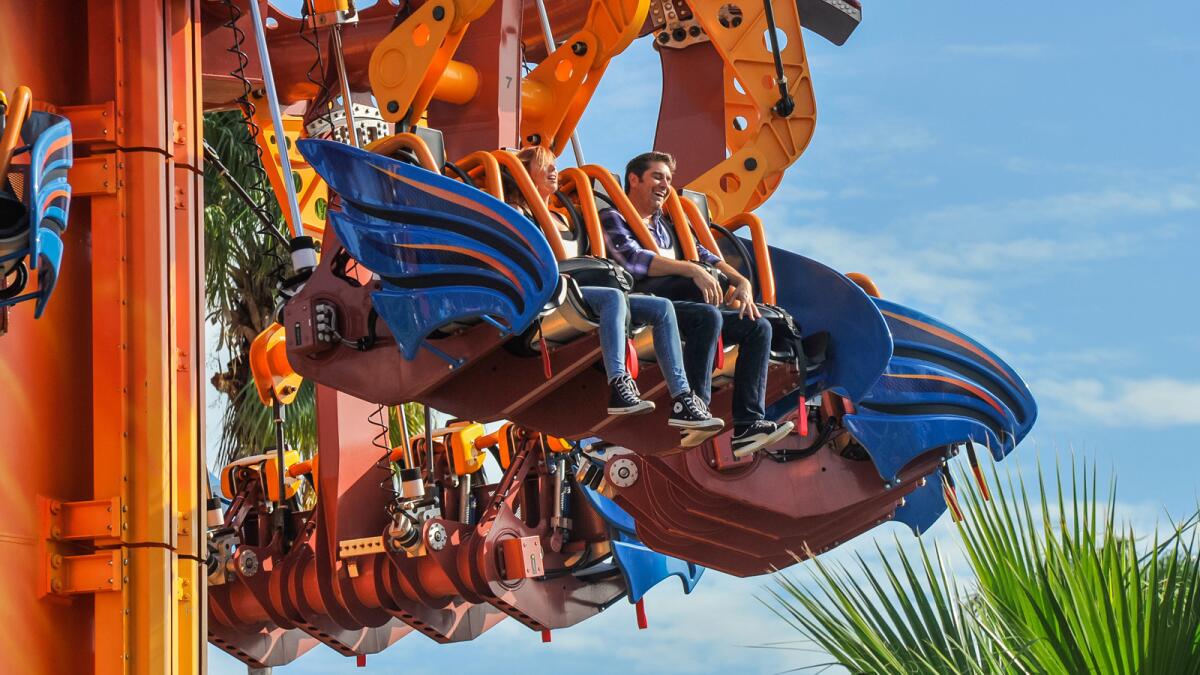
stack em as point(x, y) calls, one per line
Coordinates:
point(694, 31)
point(56, 561)
point(393, 107)
point(751, 164)
point(579, 48)
point(623, 472)
point(55, 532)
point(439, 13)
point(664, 38)
point(679, 34)
point(55, 507)
point(437, 536)
point(534, 139)
point(56, 585)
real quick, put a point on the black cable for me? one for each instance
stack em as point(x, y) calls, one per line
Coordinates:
point(751, 263)
point(785, 105)
point(308, 12)
point(257, 189)
point(462, 175)
point(210, 155)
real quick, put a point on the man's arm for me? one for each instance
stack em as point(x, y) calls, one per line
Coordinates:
point(625, 249)
point(741, 293)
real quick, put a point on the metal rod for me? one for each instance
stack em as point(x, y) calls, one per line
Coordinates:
point(429, 442)
point(548, 35)
point(347, 102)
point(402, 416)
point(260, 39)
point(785, 106)
point(464, 500)
point(280, 515)
point(210, 155)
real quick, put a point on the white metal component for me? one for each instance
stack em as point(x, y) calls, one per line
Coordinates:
point(622, 472)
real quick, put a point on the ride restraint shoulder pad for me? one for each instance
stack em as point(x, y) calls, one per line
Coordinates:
point(445, 252)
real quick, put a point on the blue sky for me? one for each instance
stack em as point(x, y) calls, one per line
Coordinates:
point(1028, 172)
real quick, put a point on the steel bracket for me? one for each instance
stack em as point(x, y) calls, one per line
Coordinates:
point(96, 123)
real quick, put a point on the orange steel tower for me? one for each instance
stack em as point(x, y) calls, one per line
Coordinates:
point(101, 401)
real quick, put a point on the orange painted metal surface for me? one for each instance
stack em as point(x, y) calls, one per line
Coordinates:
point(104, 391)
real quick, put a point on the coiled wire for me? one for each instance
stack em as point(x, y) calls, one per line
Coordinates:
point(257, 187)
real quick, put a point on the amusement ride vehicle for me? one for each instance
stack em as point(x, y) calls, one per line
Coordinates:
point(387, 133)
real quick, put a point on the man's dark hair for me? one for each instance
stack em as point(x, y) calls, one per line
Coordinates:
point(638, 165)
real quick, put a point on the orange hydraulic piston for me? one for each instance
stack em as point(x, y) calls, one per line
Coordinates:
point(458, 84)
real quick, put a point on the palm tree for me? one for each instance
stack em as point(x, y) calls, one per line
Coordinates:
point(1059, 587)
point(243, 266)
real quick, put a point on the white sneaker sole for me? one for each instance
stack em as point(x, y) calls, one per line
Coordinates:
point(710, 424)
point(760, 443)
point(692, 437)
point(639, 409)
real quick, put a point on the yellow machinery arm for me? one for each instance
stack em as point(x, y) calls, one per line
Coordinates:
point(555, 94)
point(413, 61)
point(761, 143)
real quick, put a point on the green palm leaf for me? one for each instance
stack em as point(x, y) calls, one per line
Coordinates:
point(1058, 587)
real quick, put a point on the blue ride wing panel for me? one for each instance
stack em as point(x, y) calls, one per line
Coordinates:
point(642, 568)
point(940, 388)
point(923, 506)
point(822, 299)
point(47, 199)
point(445, 251)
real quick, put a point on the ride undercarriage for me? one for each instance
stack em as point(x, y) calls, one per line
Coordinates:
point(412, 281)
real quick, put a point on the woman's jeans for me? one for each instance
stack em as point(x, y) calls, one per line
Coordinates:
point(611, 306)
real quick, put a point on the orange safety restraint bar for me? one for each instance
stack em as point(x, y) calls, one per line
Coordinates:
point(480, 163)
point(762, 254)
point(406, 141)
point(683, 233)
point(624, 206)
point(541, 213)
point(572, 179)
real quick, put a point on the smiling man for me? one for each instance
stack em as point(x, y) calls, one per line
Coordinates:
point(697, 295)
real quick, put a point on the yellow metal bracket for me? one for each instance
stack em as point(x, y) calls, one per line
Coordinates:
point(311, 191)
point(555, 94)
point(407, 65)
point(761, 143)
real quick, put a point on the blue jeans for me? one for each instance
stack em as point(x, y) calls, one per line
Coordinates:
point(702, 323)
point(611, 306)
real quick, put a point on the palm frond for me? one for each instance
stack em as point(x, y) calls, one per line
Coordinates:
point(1059, 587)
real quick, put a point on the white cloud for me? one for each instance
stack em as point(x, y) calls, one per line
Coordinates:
point(1068, 208)
point(1158, 401)
point(1012, 50)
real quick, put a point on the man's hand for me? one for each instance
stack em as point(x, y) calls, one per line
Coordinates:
point(741, 298)
point(709, 288)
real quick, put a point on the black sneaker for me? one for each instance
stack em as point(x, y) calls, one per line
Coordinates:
point(625, 399)
point(759, 435)
point(689, 412)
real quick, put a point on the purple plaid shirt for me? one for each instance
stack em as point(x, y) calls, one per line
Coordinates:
point(624, 248)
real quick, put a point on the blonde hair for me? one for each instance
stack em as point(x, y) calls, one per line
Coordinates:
point(536, 157)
